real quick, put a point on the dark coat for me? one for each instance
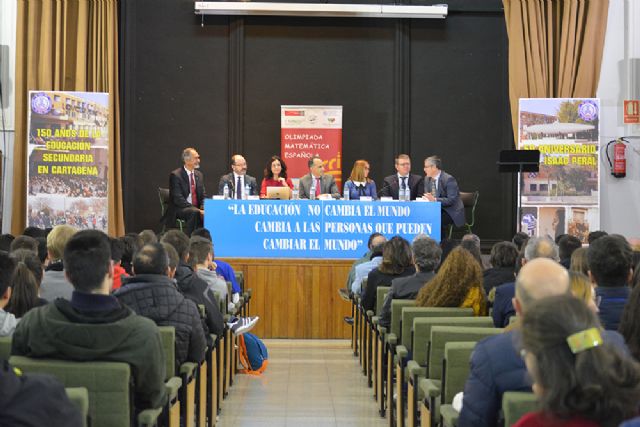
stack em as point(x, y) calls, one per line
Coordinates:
point(179, 189)
point(327, 186)
point(497, 367)
point(375, 279)
point(612, 302)
point(228, 179)
point(503, 305)
point(448, 195)
point(391, 186)
point(157, 297)
point(196, 289)
point(403, 288)
point(494, 277)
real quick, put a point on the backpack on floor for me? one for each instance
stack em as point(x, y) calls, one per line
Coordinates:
point(252, 354)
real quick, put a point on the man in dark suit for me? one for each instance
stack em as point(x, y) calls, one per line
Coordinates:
point(186, 192)
point(402, 179)
point(324, 184)
point(439, 186)
point(426, 258)
point(237, 180)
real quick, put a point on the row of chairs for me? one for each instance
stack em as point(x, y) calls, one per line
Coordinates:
point(105, 389)
point(426, 352)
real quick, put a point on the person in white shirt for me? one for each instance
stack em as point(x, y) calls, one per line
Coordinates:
point(239, 184)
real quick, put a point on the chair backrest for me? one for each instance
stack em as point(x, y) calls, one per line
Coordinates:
point(79, 396)
point(168, 338)
point(397, 306)
point(410, 313)
point(440, 335)
point(422, 331)
point(108, 383)
point(381, 294)
point(163, 195)
point(5, 347)
point(517, 403)
point(455, 368)
point(470, 200)
point(240, 279)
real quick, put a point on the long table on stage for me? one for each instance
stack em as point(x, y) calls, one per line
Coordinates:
point(295, 255)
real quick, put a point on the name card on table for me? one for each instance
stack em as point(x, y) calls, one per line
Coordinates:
point(312, 228)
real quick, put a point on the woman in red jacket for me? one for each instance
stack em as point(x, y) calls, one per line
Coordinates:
point(275, 175)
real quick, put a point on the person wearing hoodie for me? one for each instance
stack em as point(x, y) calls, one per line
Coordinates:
point(94, 325)
point(192, 286)
point(151, 293)
point(8, 321)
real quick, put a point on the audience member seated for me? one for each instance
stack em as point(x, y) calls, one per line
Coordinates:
point(54, 283)
point(151, 293)
point(582, 288)
point(345, 292)
point(237, 180)
point(578, 378)
point(503, 309)
point(117, 248)
point(25, 283)
point(5, 242)
point(192, 286)
point(566, 246)
point(474, 249)
point(42, 249)
point(94, 325)
point(503, 264)
point(223, 269)
point(130, 247)
point(34, 232)
point(200, 259)
point(396, 262)
point(24, 242)
point(457, 284)
point(496, 365)
point(34, 400)
point(8, 321)
point(609, 259)
point(359, 184)
point(362, 270)
point(275, 175)
point(146, 237)
point(426, 257)
point(595, 235)
point(579, 261)
point(520, 239)
point(630, 322)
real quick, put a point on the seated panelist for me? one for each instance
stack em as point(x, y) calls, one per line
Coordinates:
point(186, 193)
point(275, 175)
point(238, 180)
point(316, 179)
point(439, 186)
point(359, 184)
point(402, 179)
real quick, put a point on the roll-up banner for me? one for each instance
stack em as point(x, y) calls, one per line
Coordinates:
point(67, 162)
point(564, 196)
point(307, 130)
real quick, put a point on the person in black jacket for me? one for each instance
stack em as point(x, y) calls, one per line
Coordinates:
point(503, 265)
point(151, 293)
point(34, 400)
point(191, 286)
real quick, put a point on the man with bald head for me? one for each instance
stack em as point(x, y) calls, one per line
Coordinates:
point(237, 181)
point(503, 308)
point(496, 365)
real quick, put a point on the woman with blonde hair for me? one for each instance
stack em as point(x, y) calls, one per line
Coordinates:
point(457, 284)
point(582, 288)
point(359, 184)
point(579, 261)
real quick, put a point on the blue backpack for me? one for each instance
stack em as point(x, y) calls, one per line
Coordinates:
point(252, 354)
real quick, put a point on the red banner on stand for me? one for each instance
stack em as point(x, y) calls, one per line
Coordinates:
point(310, 130)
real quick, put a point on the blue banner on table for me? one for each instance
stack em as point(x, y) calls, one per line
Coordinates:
point(312, 229)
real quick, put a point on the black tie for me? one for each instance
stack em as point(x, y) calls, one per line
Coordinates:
point(239, 189)
point(404, 182)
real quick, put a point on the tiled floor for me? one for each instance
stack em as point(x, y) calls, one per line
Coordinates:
point(307, 383)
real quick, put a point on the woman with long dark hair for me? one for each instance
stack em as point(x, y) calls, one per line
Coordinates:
point(25, 283)
point(275, 175)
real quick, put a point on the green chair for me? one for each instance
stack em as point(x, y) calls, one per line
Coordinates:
point(517, 403)
point(163, 195)
point(431, 386)
point(5, 347)
point(416, 368)
point(79, 396)
point(177, 394)
point(469, 200)
point(370, 334)
point(109, 385)
point(455, 370)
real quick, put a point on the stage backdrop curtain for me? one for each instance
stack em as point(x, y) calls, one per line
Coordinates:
point(555, 49)
point(67, 45)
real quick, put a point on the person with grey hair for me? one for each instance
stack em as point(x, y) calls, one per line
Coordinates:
point(503, 309)
point(186, 193)
point(426, 258)
point(439, 186)
point(316, 178)
point(238, 183)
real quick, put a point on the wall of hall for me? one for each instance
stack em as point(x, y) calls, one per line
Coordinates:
point(417, 86)
point(620, 80)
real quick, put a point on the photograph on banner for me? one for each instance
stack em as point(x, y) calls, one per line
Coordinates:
point(308, 130)
point(68, 158)
point(566, 131)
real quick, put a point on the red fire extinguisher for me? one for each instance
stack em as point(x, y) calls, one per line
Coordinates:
point(619, 165)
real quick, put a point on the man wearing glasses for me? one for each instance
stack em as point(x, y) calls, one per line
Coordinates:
point(439, 186)
point(402, 180)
